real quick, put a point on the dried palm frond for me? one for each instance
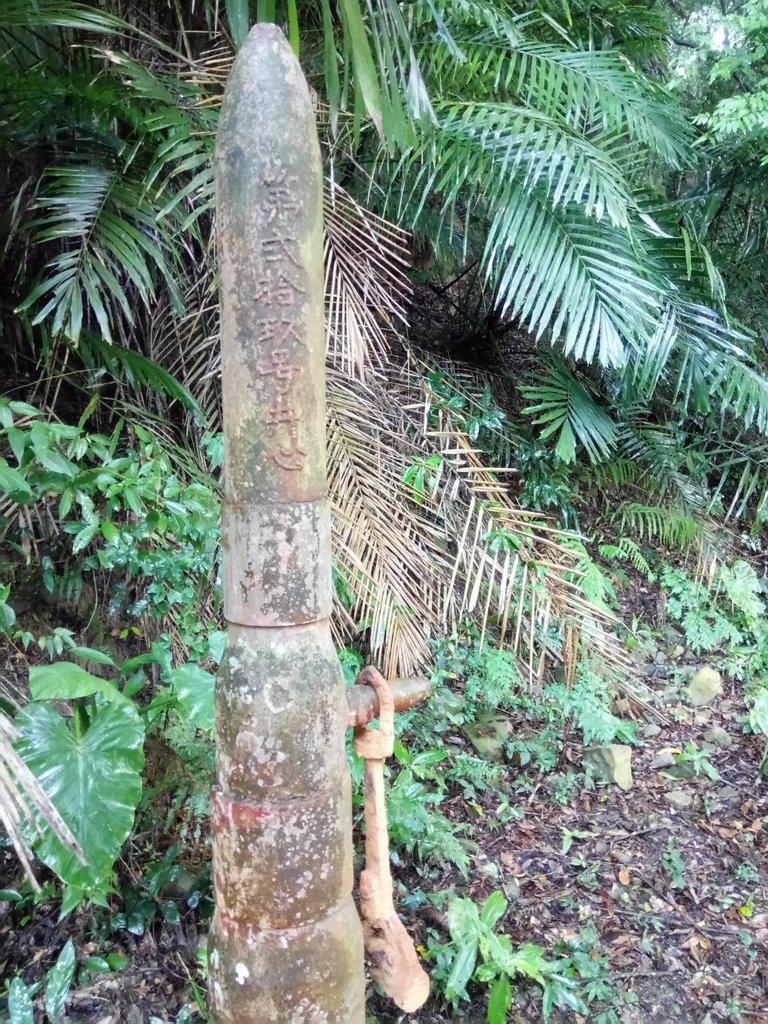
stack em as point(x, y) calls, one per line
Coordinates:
point(366, 282)
point(391, 557)
point(408, 566)
point(471, 551)
point(24, 804)
point(209, 72)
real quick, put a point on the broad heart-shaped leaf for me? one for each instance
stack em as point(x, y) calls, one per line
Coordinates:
point(67, 681)
point(93, 780)
point(193, 687)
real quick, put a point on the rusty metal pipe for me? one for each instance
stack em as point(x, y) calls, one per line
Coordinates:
point(286, 944)
point(363, 701)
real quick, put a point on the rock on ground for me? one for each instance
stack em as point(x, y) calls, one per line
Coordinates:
point(705, 685)
point(611, 763)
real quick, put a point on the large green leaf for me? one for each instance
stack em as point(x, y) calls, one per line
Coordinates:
point(239, 17)
point(461, 972)
point(562, 403)
point(14, 484)
point(94, 781)
point(499, 1001)
point(758, 714)
point(65, 681)
point(493, 910)
point(194, 687)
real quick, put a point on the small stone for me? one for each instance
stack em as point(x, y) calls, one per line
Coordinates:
point(719, 736)
point(671, 636)
point(660, 658)
point(664, 759)
point(705, 685)
point(511, 888)
point(488, 736)
point(658, 671)
point(600, 848)
point(611, 763)
point(677, 652)
point(651, 730)
point(181, 886)
point(727, 793)
point(702, 718)
point(679, 798)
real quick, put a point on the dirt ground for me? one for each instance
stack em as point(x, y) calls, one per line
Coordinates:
point(692, 950)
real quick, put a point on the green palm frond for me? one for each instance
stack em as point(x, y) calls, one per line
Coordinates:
point(743, 480)
point(667, 468)
point(484, 144)
point(563, 404)
point(59, 13)
point(627, 550)
point(715, 370)
point(586, 89)
point(136, 370)
point(110, 250)
point(656, 522)
point(579, 280)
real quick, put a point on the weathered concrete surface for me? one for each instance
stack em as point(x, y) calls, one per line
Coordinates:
point(286, 943)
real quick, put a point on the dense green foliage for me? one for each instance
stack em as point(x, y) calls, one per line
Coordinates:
point(576, 195)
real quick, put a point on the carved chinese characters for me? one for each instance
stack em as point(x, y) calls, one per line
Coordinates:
point(280, 325)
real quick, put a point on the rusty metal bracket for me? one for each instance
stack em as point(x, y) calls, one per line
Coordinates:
point(394, 962)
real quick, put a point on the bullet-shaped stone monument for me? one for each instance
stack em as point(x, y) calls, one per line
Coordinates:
point(286, 943)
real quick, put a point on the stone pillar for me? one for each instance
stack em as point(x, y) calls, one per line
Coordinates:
point(286, 943)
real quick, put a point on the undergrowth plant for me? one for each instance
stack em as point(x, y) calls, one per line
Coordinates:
point(55, 987)
point(90, 764)
point(124, 513)
point(477, 955)
point(727, 615)
point(475, 678)
point(415, 824)
point(757, 719)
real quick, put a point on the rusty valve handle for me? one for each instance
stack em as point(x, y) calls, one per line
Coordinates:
point(394, 963)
